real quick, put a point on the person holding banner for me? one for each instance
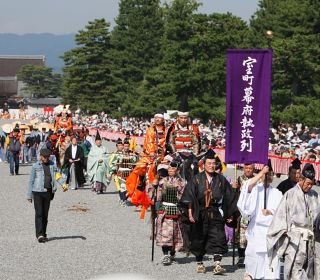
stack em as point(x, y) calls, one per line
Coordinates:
point(211, 202)
point(291, 233)
point(251, 205)
point(242, 223)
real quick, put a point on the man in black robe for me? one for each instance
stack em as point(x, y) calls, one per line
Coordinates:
point(208, 202)
point(293, 179)
point(74, 159)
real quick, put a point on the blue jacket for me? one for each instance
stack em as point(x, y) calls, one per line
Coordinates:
point(36, 181)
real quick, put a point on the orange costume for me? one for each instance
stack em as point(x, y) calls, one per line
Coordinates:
point(153, 150)
point(136, 188)
point(63, 124)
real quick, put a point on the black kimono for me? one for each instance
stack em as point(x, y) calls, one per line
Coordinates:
point(78, 165)
point(207, 235)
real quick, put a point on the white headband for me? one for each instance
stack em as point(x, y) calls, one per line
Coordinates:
point(183, 114)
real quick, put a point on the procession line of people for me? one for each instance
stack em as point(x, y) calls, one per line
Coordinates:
point(192, 209)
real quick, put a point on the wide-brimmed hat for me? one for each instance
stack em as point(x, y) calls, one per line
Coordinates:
point(7, 127)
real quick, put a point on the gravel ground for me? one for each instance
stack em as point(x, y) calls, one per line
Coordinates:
point(89, 236)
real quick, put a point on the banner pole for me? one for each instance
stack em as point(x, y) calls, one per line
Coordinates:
point(234, 230)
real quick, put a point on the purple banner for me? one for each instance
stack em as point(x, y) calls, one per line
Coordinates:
point(248, 105)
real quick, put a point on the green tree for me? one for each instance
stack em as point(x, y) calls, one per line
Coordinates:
point(88, 79)
point(192, 73)
point(296, 47)
point(136, 39)
point(40, 81)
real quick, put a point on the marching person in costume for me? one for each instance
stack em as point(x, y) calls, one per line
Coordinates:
point(74, 159)
point(153, 152)
point(257, 203)
point(242, 223)
point(168, 221)
point(207, 203)
point(97, 166)
point(293, 178)
point(183, 137)
point(132, 142)
point(125, 161)
point(113, 166)
point(291, 231)
point(63, 122)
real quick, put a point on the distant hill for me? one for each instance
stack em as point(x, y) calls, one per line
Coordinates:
point(50, 45)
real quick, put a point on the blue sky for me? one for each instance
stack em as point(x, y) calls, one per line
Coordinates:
point(69, 16)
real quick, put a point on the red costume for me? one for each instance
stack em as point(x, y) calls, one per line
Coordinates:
point(184, 139)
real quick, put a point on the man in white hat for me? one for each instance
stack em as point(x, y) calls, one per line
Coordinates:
point(153, 148)
point(183, 137)
point(155, 137)
point(291, 231)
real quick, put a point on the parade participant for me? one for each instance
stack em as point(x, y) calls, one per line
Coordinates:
point(86, 146)
point(136, 188)
point(168, 221)
point(62, 149)
point(41, 189)
point(74, 159)
point(242, 223)
point(210, 201)
point(291, 232)
point(153, 151)
point(125, 164)
point(132, 142)
point(63, 122)
point(183, 137)
point(258, 206)
point(52, 143)
point(98, 166)
point(154, 142)
point(13, 149)
point(114, 158)
point(294, 176)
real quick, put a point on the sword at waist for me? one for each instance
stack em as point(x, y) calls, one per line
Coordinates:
point(168, 204)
